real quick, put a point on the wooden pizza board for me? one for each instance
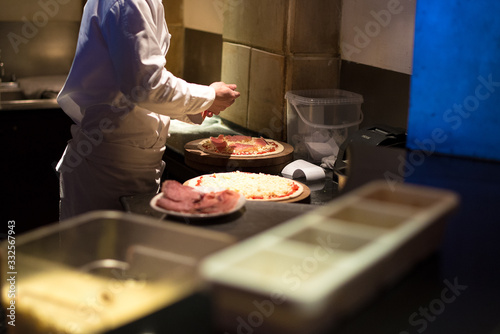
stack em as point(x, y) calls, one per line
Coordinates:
point(304, 197)
point(213, 163)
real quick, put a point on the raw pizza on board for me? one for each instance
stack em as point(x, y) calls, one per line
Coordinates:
point(227, 145)
point(252, 186)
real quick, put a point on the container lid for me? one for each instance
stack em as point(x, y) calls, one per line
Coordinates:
point(324, 97)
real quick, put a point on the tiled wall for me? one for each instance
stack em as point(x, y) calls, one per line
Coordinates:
point(38, 37)
point(377, 53)
point(202, 56)
point(271, 47)
point(175, 21)
point(265, 47)
point(379, 33)
point(203, 15)
point(386, 94)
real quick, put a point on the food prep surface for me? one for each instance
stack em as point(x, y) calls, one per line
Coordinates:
point(31, 93)
point(322, 191)
point(471, 297)
point(454, 290)
point(253, 218)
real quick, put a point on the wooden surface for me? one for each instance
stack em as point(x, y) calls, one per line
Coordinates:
point(301, 198)
point(202, 161)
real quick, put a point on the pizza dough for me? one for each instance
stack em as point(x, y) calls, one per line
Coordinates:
point(253, 186)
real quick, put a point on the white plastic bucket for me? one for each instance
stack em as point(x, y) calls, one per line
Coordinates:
point(319, 121)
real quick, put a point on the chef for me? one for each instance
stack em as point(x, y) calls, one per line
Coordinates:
point(121, 99)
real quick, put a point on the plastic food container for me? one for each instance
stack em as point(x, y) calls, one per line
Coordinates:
point(304, 275)
point(100, 271)
point(319, 121)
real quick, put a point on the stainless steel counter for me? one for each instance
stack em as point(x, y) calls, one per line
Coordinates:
point(34, 104)
point(31, 93)
point(253, 218)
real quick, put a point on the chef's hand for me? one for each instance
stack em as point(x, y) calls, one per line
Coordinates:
point(225, 94)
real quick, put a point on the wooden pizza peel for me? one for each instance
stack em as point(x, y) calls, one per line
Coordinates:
point(302, 198)
point(213, 163)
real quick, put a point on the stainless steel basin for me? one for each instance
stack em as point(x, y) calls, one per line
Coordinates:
point(29, 104)
point(9, 85)
point(12, 97)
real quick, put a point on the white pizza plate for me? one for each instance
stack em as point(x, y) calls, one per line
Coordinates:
point(239, 204)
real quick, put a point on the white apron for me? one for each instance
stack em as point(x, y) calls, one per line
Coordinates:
point(100, 173)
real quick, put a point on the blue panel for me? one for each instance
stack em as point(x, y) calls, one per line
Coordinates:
point(455, 87)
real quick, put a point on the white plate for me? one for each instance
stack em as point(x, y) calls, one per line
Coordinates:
point(239, 204)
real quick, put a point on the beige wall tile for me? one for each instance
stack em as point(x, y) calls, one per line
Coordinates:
point(49, 51)
point(175, 55)
point(204, 15)
point(175, 20)
point(38, 37)
point(202, 56)
point(174, 13)
point(314, 26)
point(236, 69)
point(312, 72)
point(379, 33)
point(35, 10)
point(258, 23)
point(266, 94)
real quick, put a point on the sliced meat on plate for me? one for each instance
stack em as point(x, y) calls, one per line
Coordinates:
point(177, 192)
point(221, 201)
point(182, 198)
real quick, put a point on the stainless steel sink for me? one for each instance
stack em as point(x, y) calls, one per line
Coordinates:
point(9, 85)
point(13, 98)
point(29, 104)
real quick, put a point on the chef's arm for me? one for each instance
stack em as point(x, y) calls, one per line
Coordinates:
point(139, 64)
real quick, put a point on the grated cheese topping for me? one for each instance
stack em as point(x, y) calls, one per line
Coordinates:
point(251, 185)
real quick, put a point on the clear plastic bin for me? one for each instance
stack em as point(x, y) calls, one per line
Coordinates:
point(103, 270)
point(319, 121)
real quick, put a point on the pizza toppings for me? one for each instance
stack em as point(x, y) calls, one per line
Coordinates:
point(251, 185)
point(239, 138)
point(240, 148)
point(182, 198)
point(260, 142)
point(181, 193)
point(240, 145)
point(220, 201)
point(218, 142)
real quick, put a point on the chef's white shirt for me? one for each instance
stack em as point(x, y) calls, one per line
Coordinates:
point(121, 98)
point(118, 74)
